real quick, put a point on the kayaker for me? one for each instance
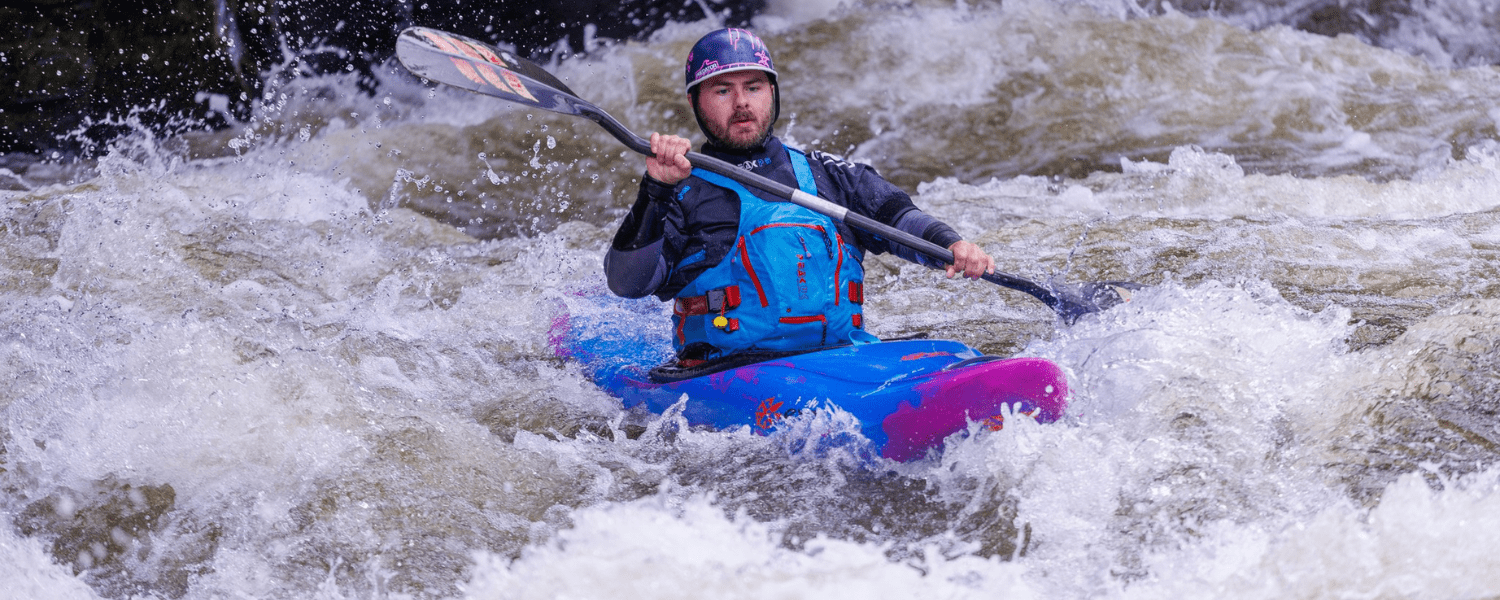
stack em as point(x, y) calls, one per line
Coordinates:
point(746, 273)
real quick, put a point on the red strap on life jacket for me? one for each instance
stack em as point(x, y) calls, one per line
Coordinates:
point(856, 292)
point(750, 270)
point(713, 302)
point(839, 268)
point(807, 319)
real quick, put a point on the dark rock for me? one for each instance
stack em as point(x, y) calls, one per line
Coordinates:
point(1431, 30)
point(69, 64)
point(85, 65)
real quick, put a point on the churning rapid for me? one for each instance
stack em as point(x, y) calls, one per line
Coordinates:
point(308, 356)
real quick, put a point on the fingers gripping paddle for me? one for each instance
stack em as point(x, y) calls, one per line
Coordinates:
point(478, 67)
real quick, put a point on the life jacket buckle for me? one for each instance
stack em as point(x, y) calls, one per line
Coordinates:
point(723, 299)
point(714, 301)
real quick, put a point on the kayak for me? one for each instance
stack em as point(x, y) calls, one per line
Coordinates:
point(908, 395)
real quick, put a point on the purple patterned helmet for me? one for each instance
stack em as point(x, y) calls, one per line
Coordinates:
point(727, 51)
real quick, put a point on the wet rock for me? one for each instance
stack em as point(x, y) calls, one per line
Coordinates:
point(102, 530)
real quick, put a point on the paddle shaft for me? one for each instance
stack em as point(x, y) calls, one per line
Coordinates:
point(815, 204)
point(861, 222)
point(471, 64)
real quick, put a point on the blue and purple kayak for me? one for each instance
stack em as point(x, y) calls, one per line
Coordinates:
point(909, 395)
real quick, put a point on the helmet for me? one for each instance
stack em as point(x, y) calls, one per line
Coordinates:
point(727, 51)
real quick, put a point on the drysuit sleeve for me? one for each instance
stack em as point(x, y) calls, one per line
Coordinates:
point(927, 227)
point(635, 267)
point(864, 191)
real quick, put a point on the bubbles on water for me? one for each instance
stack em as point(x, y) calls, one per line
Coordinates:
point(330, 396)
point(691, 547)
point(1418, 537)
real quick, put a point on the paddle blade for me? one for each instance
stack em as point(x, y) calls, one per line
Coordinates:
point(479, 67)
point(1077, 299)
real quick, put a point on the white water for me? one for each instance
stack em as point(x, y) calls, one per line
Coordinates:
point(281, 372)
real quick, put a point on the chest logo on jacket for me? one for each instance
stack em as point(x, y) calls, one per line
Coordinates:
point(751, 165)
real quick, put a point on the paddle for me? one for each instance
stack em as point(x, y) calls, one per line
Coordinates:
point(478, 67)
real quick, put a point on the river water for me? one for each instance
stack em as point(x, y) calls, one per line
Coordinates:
point(309, 357)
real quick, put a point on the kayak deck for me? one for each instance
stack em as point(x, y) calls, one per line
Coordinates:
point(908, 395)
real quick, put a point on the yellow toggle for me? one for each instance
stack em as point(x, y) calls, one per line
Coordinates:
point(721, 322)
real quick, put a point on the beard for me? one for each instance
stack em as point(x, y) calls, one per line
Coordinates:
point(721, 135)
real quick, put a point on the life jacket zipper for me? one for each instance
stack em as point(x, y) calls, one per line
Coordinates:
point(750, 270)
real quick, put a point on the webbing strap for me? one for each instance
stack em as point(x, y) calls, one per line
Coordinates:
point(721, 181)
point(803, 171)
point(799, 166)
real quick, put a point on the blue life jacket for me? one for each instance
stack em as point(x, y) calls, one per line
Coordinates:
point(790, 282)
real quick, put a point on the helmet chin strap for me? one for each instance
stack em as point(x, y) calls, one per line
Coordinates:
point(775, 112)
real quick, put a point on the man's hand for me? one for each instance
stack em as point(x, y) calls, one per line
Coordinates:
point(668, 163)
point(969, 260)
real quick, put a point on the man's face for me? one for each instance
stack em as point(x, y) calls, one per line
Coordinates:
point(736, 108)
